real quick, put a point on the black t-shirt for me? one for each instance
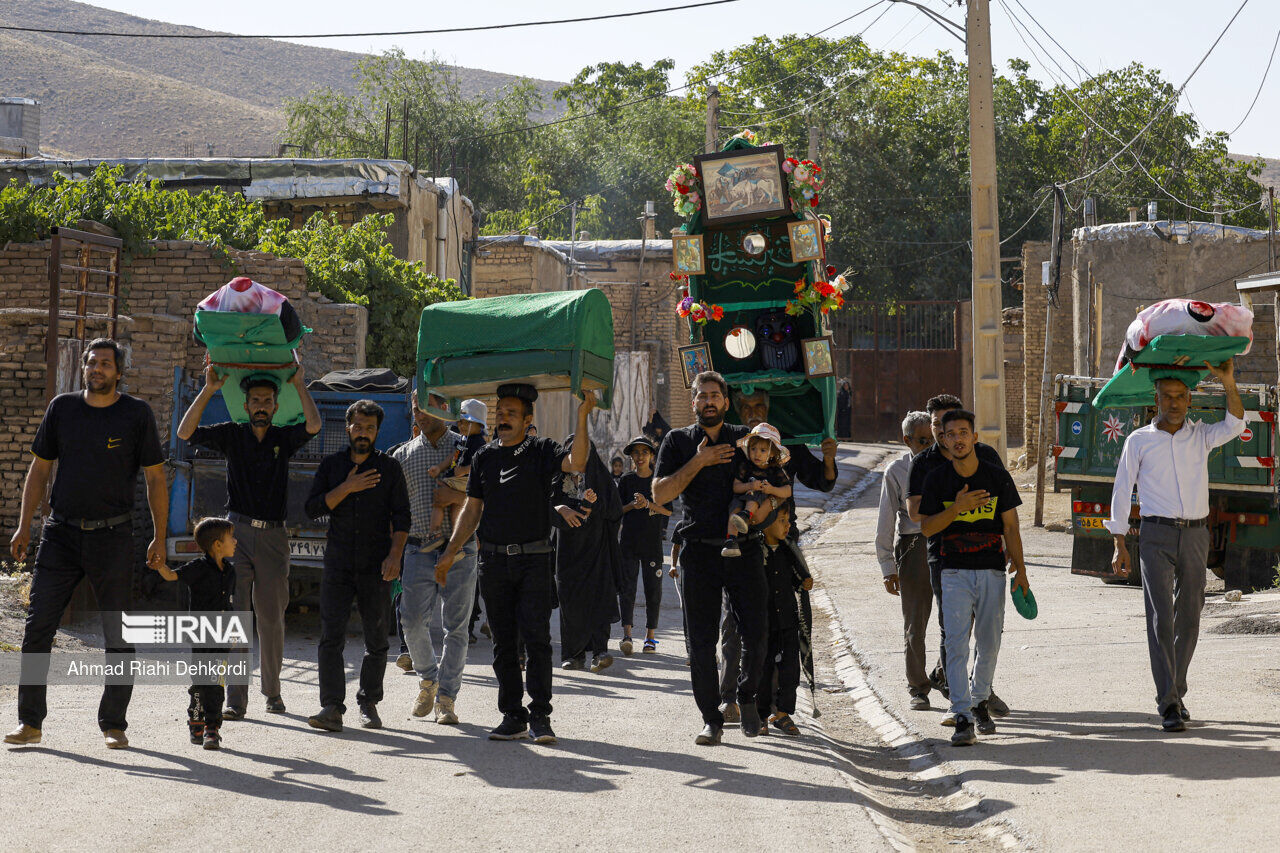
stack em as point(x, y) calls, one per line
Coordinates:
point(924, 463)
point(468, 447)
point(257, 471)
point(515, 485)
point(641, 529)
point(973, 540)
point(709, 493)
point(774, 475)
point(211, 587)
point(99, 451)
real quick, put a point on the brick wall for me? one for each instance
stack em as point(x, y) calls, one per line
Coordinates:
point(1014, 377)
point(160, 293)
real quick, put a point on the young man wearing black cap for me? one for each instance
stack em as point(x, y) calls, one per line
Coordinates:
point(257, 455)
point(508, 505)
point(644, 523)
point(691, 461)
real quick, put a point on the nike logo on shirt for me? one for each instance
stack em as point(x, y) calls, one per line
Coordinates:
point(505, 476)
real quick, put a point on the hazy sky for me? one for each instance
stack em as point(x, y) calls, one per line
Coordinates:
point(1172, 35)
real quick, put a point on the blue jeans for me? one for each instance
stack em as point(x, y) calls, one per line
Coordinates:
point(422, 598)
point(972, 602)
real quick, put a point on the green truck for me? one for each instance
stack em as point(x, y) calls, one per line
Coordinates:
point(1243, 516)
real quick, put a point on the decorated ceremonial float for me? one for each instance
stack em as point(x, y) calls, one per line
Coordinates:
point(756, 287)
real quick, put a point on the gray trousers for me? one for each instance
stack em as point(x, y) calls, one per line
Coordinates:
point(1173, 576)
point(262, 581)
point(730, 654)
point(915, 589)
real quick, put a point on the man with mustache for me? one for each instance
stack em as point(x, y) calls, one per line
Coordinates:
point(509, 506)
point(99, 438)
point(692, 461)
point(363, 492)
point(257, 455)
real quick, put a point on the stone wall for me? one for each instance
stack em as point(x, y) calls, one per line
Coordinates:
point(159, 297)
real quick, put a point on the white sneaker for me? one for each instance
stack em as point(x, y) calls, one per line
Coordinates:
point(426, 698)
point(444, 712)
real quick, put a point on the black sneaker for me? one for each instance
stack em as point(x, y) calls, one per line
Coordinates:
point(711, 735)
point(329, 719)
point(982, 714)
point(996, 706)
point(1171, 719)
point(740, 521)
point(369, 718)
point(1184, 713)
point(275, 705)
point(938, 681)
point(574, 663)
point(540, 730)
point(964, 734)
point(731, 549)
point(197, 733)
point(601, 661)
point(212, 740)
point(233, 713)
point(511, 728)
point(750, 720)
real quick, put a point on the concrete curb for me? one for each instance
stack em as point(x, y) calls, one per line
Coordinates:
point(928, 765)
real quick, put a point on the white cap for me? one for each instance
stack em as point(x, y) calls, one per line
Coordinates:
point(474, 411)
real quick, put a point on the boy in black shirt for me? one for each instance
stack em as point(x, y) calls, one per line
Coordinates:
point(972, 506)
point(644, 524)
point(211, 581)
point(787, 574)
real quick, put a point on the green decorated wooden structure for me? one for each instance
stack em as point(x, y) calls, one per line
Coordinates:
point(243, 345)
point(747, 286)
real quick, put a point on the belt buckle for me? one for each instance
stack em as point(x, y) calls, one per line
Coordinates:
point(512, 550)
point(258, 523)
point(86, 524)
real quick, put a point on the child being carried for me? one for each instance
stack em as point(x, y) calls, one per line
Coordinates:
point(759, 481)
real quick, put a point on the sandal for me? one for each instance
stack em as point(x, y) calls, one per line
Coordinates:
point(650, 646)
point(785, 724)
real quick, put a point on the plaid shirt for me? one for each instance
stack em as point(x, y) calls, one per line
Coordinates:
point(415, 457)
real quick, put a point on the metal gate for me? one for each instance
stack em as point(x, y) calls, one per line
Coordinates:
point(896, 357)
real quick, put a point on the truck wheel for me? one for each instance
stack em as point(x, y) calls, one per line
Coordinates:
point(1247, 569)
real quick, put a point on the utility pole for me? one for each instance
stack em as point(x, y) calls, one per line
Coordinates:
point(813, 139)
point(1046, 377)
point(713, 119)
point(988, 330)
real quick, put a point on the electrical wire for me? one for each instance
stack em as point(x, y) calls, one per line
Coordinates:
point(1261, 83)
point(443, 30)
point(671, 91)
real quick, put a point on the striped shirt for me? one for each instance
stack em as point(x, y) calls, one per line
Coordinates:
point(416, 456)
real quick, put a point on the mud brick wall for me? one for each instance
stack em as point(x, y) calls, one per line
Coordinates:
point(1014, 377)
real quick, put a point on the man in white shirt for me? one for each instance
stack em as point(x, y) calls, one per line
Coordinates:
point(905, 562)
point(1168, 460)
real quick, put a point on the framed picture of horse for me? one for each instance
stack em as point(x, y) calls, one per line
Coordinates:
point(743, 184)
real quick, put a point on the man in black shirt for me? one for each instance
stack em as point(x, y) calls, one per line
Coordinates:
point(99, 437)
point(257, 455)
point(509, 505)
point(801, 465)
point(363, 492)
point(692, 461)
point(922, 464)
point(972, 507)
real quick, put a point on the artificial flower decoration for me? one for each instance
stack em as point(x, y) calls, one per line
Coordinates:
point(685, 189)
point(805, 182)
point(820, 297)
point(699, 312)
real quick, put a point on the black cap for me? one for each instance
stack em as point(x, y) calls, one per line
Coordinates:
point(521, 390)
point(643, 440)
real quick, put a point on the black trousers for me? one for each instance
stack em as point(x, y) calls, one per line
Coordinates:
point(782, 660)
point(704, 578)
point(207, 697)
point(935, 578)
point(66, 555)
point(648, 566)
point(519, 593)
point(372, 595)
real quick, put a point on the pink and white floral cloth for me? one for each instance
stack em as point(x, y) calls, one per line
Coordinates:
point(1186, 317)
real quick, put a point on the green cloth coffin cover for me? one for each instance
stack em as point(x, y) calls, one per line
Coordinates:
point(1173, 357)
point(561, 341)
point(237, 342)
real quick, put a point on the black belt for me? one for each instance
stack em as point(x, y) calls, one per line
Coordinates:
point(539, 547)
point(1176, 522)
point(92, 523)
point(259, 523)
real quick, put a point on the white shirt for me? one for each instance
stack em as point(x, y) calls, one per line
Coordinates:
point(1171, 470)
point(893, 512)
